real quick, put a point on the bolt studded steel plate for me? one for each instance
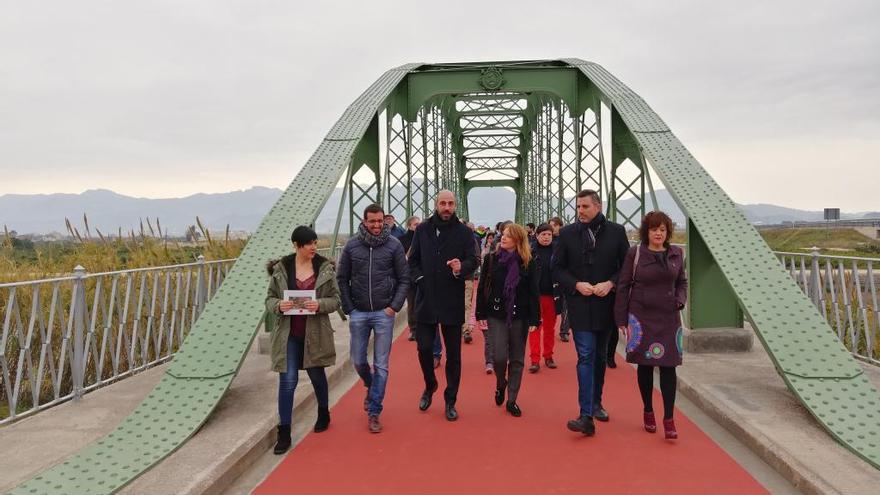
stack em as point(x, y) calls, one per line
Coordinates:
point(213, 351)
point(171, 413)
point(812, 361)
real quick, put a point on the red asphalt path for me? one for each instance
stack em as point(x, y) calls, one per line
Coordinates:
point(487, 451)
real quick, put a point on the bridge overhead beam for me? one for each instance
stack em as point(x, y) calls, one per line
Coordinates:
point(556, 80)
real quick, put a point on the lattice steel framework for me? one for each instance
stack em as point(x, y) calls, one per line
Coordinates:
point(437, 132)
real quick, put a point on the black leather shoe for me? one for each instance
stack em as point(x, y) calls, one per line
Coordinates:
point(514, 409)
point(563, 337)
point(499, 396)
point(583, 424)
point(611, 363)
point(600, 414)
point(427, 397)
point(282, 444)
point(451, 413)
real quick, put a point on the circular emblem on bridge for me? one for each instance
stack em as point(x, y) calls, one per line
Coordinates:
point(491, 79)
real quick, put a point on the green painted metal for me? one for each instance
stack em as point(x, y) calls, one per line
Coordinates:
point(210, 356)
point(812, 361)
point(535, 126)
point(711, 301)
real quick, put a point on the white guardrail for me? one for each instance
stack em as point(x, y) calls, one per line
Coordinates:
point(66, 336)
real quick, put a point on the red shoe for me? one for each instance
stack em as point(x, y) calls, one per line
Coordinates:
point(650, 422)
point(669, 428)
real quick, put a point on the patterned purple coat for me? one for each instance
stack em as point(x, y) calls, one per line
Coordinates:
point(649, 306)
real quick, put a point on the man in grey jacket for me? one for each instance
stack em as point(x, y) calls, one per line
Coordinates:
point(373, 281)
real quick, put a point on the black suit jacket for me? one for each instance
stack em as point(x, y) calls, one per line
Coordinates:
point(571, 265)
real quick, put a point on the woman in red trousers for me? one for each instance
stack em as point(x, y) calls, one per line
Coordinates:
point(545, 334)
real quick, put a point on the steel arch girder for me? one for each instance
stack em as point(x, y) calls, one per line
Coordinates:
point(815, 366)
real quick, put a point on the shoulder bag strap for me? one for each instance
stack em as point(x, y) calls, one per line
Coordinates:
point(635, 267)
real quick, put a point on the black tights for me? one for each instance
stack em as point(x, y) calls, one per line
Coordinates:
point(667, 388)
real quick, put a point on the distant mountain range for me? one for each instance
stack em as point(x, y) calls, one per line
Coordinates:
point(107, 211)
point(243, 210)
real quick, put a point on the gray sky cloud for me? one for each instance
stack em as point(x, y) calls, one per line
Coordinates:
point(163, 98)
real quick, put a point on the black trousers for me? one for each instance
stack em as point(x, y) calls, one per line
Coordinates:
point(613, 339)
point(425, 333)
point(411, 309)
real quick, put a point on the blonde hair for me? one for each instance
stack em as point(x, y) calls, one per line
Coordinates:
point(521, 240)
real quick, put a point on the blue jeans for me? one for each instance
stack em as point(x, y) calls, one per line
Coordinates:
point(361, 323)
point(585, 345)
point(288, 380)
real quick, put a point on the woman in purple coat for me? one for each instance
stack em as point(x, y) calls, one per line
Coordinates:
point(651, 291)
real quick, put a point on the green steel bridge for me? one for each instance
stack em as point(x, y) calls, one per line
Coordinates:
point(546, 129)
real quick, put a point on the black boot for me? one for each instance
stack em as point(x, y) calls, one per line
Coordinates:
point(283, 442)
point(323, 421)
point(583, 424)
point(600, 414)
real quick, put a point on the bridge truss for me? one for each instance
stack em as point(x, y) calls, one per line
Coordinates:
point(545, 129)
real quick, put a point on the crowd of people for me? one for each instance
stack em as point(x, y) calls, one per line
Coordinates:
point(520, 286)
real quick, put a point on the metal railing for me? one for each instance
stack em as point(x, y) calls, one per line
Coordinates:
point(844, 290)
point(66, 336)
point(84, 331)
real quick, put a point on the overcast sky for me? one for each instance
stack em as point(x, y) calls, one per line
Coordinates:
point(778, 100)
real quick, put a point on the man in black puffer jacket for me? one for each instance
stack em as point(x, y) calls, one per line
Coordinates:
point(373, 281)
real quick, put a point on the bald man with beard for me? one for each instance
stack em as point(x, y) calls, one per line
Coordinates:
point(442, 256)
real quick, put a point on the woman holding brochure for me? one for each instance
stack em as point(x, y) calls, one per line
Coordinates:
point(301, 337)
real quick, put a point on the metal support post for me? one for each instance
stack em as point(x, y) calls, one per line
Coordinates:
point(77, 367)
point(815, 289)
point(201, 286)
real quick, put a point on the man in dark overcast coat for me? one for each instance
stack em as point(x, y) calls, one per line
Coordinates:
point(442, 256)
point(586, 261)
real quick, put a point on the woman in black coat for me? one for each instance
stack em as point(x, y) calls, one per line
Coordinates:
point(509, 301)
point(651, 292)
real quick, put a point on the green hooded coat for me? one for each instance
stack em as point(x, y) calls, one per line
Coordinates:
point(320, 350)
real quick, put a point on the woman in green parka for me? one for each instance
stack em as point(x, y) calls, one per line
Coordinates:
point(304, 341)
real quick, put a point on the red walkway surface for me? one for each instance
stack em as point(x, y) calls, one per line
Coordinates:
point(487, 451)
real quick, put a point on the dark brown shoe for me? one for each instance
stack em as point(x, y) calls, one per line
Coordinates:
point(550, 363)
point(374, 424)
point(534, 368)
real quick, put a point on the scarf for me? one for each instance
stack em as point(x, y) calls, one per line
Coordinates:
point(441, 224)
point(589, 234)
point(511, 261)
point(373, 240)
point(442, 228)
